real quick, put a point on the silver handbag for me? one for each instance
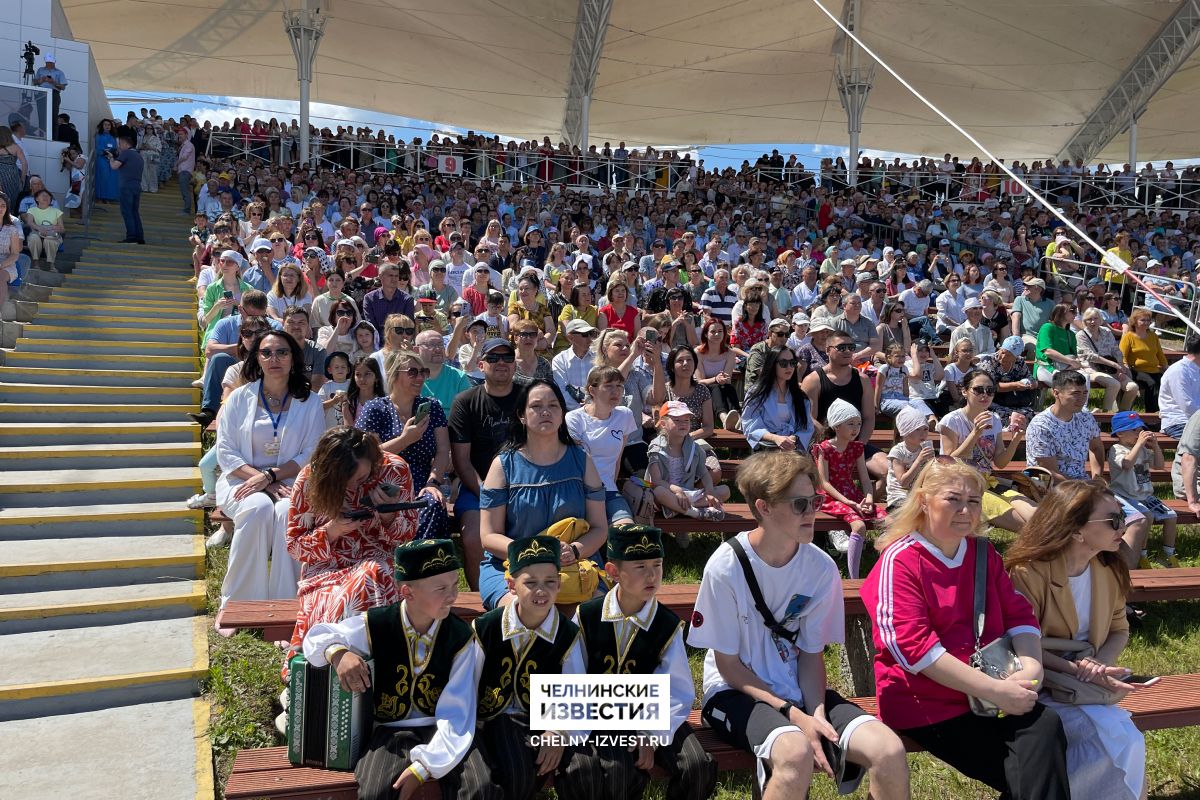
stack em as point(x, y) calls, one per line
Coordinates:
point(997, 659)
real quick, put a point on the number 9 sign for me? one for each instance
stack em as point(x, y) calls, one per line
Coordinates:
point(449, 165)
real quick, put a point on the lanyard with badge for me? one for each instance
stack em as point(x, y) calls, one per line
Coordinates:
point(272, 447)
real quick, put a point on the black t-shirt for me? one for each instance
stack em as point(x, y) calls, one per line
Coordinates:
point(481, 420)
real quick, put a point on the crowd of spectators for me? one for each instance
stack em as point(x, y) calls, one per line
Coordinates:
point(529, 356)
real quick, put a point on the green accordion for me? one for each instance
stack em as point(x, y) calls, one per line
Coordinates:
point(328, 727)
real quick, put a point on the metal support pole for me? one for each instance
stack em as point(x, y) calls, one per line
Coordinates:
point(305, 27)
point(1133, 143)
point(854, 84)
point(584, 111)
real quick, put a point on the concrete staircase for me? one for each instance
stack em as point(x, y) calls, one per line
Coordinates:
point(103, 637)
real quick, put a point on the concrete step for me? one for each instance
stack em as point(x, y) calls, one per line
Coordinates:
point(45, 330)
point(57, 394)
point(88, 755)
point(122, 434)
point(148, 293)
point(96, 347)
point(91, 320)
point(172, 287)
point(131, 520)
point(182, 314)
point(55, 672)
point(100, 377)
point(104, 605)
point(63, 413)
point(123, 275)
point(106, 300)
point(32, 489)
point(33, 354)
point(38, 565)
point(103, 456)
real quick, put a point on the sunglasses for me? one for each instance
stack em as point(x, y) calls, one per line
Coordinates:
point(500, 358)
point(416, 372)
point(988, 390)
point(844, 347)
point(275, 355)
point(803, 505)
point(527, 335)
point(278, 241)
point(254, 331)
point(310, 236)
point(344, 313)
point(1116, 520)
point(405, 331)
point(786, 363)
point(437, 269)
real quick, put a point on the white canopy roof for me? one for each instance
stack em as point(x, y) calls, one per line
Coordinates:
point(1022, 75)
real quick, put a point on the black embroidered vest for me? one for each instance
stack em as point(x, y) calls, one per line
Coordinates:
point(397, 694)
point(505, 671)
point(644, 650)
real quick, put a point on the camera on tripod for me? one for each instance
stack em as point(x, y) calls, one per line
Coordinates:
point(28, 54)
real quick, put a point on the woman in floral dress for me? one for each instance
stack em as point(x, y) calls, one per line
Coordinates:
point(346, 564)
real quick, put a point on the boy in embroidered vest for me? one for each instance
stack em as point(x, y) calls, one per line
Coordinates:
point(525, 637)
point(426, 673)
point(764, 680)
point(627, 631)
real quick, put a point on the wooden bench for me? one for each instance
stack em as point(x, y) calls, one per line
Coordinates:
point(729, 467)
point(1174, 702)
point(276, 618)
point(884, 438)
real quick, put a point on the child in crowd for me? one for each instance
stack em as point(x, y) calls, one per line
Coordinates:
point(513, 641)
point(366, 385)
point(627, 631)
point(925, 378)
point(844, 478)
point(908, 457)
point(494, 318)
point(681, 481)
point(1130, 460)
point(472, 350)
point(419, 735)
point(765, 688)
point(335, 282)
point(958, 364)
point(891, 387)
point(333, 391)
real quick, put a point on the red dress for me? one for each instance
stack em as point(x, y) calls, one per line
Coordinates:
point(843, 476)
point(354, 573)
point(622, 323)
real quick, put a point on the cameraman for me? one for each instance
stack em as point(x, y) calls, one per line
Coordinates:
point(50, 77)
point(130, 165)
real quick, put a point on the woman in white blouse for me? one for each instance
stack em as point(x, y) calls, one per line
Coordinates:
point(269, 427)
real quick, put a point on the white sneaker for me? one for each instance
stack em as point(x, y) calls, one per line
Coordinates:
point(219, 539)
point(198, 383)
point(839, 541)
point(712, 514)
point(202, 500)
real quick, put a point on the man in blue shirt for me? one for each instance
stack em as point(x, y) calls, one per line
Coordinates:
point(221, 349)
point(261, 272)
point(129, 165)
point(52, 78)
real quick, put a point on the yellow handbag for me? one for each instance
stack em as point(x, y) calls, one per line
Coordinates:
point(578, 581)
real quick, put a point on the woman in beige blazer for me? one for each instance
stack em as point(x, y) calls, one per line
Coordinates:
point(1066, 562)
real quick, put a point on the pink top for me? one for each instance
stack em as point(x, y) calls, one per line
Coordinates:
point(922, 603)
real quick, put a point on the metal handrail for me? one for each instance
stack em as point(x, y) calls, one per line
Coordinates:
point(87, 197)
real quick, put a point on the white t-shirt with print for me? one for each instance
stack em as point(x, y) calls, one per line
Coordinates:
point(805, 595)
point(604, 439)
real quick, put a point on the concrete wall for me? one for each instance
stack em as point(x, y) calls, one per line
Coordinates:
point(44, 23)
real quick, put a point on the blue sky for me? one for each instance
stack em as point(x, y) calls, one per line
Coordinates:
point(222, 108)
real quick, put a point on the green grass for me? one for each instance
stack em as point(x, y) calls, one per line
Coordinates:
point(244, 684)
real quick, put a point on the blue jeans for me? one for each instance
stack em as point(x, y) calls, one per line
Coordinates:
point(210, 398)
point(131, 201)
point(1175, 431)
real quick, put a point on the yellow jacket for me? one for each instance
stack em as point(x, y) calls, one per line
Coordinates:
point(1045, 585)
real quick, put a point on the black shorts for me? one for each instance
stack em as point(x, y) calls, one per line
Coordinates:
point(752, 725)
point(870, 451)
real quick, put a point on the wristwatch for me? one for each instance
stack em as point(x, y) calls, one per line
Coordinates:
point(786, 710)
point(575, 550)
point(270, 473)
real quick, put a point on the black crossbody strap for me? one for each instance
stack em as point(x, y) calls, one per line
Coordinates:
point(980, 589)
point(756, 592)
